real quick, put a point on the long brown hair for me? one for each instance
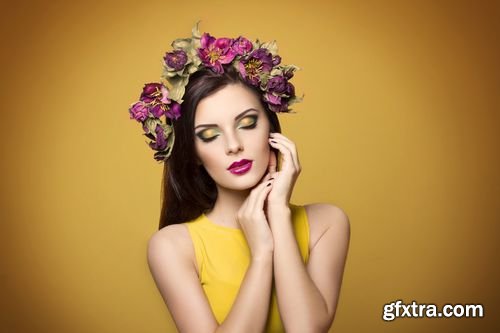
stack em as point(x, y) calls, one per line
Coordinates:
point(187, 188)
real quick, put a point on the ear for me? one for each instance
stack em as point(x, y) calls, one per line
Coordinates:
point(272, 162)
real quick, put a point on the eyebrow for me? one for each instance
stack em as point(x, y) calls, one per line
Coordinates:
point(235, 118)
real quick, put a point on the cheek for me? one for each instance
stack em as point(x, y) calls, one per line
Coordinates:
point(262, 147)
point(207, 154)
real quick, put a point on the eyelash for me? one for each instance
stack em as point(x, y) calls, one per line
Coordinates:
point(244, 127)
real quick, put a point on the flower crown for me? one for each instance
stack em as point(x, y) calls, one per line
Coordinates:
point(257, 64)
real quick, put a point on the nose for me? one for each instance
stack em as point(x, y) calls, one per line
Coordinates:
point(233, 144)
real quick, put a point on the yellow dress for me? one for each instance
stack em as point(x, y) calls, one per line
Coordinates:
point(223, 257)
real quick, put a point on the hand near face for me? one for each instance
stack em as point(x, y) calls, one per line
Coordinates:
point(254, 223)
point(284, 179)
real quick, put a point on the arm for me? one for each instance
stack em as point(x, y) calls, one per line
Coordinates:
point(251, 306)
point(307, 296)
point(170, 254)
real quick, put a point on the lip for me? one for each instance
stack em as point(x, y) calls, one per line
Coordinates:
point(240, 167)
point(239, 163)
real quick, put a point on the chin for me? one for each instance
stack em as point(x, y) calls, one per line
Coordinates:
point(243, 182)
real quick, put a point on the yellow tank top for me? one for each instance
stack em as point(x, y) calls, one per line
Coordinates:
point(223, 257)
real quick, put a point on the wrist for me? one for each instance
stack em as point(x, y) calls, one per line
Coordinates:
point(275, 208)
point(262, 257)
point(277, 214)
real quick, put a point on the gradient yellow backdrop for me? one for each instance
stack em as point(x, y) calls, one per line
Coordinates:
point(399, 127)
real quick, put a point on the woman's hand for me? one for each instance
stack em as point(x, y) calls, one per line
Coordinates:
point(253, 220)
point(284, 180)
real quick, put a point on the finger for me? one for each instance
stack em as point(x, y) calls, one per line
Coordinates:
point(247, 205)
point(272, 162)
point(261, 198)
point(284, 139)
point(253, 202)
point(285, 152)
point(292, 148)
point(290, 145)
point(281, 137)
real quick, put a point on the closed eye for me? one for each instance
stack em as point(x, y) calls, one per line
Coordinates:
point(207, 135)
point(211, 134)
point(249, 122)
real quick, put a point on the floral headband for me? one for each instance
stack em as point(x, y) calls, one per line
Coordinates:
point(257, 63)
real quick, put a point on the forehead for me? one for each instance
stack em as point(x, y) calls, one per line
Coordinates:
point(226, 104)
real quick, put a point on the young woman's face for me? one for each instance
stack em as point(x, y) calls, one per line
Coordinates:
point(231, 126)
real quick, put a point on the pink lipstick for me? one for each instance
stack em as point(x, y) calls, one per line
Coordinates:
point(240, 167)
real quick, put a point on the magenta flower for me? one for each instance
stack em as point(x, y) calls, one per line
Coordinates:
point(273, 99)
point(214, 53)
point(164, 95)
point(276, 60)
point(242, 45)
point(290, 89)
point(276, 103)
point(174, 112)
point(154, 92)
point(277, 84)
point(161, 140)
point(256, 63)
point(150, 92)
point(288, 74)
point(157, 110)
point(176, 59)
point(138, 111)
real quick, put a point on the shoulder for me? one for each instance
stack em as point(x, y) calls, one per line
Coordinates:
point(174, 234)
point(170, 262)
point(172, 240)
point(323, 217)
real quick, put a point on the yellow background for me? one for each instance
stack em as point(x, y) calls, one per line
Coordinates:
point(399, 127)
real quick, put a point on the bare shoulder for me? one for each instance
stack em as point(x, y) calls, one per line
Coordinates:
point(173, 239)
point(325, 217)
point(329, 233)
point(170, 254)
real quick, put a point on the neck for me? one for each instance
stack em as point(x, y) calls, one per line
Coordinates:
point(227, 205)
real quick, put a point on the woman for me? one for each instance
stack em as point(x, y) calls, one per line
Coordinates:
point(232, 249)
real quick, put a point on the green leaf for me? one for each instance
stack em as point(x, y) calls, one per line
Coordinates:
point(276, 71)
point(296, 99)
point(151, 125)
point(167, 129)
point(291, 68)
point(181, 43)
point(195, 31)
point(178, 88)
point(271, 46)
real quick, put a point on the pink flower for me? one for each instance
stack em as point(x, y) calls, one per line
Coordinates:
point(256, 63)
point(157, 110)
point(214, 53)
point(174, 111)
point(154, 92)
point(164, 95)
point(138, 111)
point(161, 141)
point(276, 103)
point(242, 45)
point(176, 59)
